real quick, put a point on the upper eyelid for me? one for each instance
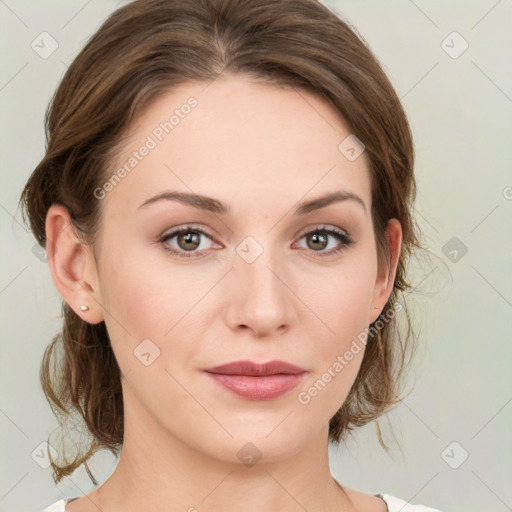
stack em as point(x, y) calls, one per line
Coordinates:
point(187, 227)
point(316, 227)
point(343, 237)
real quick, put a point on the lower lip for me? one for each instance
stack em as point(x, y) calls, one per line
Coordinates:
point(258, 388)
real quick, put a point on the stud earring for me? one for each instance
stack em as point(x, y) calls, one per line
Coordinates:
point(84, 308)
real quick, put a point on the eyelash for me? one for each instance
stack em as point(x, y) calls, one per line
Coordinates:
point(345, 240)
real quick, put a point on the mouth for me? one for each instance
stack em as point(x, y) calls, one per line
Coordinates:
point(254, 381)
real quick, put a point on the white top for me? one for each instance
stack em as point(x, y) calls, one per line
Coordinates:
point(394, 505)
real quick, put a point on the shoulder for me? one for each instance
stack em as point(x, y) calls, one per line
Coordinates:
point(393, 503)
point(58, 506)
point(398, 505)
point(381, 502)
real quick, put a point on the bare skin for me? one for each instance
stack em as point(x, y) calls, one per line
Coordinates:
point(259, 150)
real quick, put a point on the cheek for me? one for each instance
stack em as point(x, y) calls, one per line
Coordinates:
point(151, 300)
point(342, 301)
point(134, 307)
point(144, 294)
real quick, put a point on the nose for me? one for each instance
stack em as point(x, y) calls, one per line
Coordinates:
point(261, 291)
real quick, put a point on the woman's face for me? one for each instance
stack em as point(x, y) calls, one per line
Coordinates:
point(247, 281)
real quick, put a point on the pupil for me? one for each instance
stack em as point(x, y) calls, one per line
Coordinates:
point(316, 238)
point(190, 238)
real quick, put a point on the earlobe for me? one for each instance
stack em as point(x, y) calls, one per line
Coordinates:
point(68, 258)
point(387, 272)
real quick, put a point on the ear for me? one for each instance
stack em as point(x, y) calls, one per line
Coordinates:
point(72, 265)
point(387, 271)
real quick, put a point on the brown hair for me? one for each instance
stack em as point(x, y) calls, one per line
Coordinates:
point(141, 51)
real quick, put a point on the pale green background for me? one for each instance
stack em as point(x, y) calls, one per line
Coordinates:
point(460, 111)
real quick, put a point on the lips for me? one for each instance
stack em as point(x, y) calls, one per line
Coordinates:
point(256, 369)
point(254, 381)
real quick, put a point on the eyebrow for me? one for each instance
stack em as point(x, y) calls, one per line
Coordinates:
point(213, 205)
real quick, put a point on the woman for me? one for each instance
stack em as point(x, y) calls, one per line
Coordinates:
point(225, 203)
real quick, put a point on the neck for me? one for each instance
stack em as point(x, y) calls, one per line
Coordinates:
point(160, 472)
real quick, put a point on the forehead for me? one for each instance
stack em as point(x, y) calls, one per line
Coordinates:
point(237, 139)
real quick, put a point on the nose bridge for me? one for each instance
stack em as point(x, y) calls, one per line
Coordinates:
point(257, 263)
point(261, 297)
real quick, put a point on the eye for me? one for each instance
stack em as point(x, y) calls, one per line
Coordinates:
point(318, 239)
point(188, 240)
point(189, 243)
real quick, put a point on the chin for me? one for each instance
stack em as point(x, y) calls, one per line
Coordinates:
point(267, 444)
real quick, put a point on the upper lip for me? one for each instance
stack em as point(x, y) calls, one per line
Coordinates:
point(256, 369)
